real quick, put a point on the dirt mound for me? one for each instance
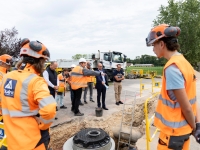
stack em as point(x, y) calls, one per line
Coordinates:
point(139, 115)
point(61, 133)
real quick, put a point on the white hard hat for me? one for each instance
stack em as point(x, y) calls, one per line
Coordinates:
point(72, 66)
point(82, 60)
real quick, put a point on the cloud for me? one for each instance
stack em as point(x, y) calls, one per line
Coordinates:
point(83, 26)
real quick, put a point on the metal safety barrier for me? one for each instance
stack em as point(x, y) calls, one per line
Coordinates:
point(154, 85)
point(3, 141)
point(149, 138)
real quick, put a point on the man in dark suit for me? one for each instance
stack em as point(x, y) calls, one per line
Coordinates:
point(101, 83)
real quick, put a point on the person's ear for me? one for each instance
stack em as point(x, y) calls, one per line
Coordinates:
point(162, 44)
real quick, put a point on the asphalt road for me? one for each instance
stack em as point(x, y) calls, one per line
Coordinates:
point(129, 86)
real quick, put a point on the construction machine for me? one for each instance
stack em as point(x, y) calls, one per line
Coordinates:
point(150, 74)
point(108, 59)
point(135, 73)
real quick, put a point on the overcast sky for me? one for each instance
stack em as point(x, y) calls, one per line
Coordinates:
point(69, 27)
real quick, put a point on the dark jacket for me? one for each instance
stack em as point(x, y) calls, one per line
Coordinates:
point(52, 77)
point(99, 80)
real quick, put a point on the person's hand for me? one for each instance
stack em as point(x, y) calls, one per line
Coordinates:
point(196, 133)
point(55, 87)
point(103, 74)
point(103, 82)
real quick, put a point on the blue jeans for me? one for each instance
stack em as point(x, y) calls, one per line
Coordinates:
point(60, 97)
point(90, 87)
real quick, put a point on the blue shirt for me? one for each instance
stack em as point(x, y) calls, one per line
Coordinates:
point(174, 80)
point(117, 73)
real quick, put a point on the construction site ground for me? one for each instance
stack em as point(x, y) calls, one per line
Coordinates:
point(130, 86)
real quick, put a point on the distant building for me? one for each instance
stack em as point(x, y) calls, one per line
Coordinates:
point(143, 65)
point(129, 64)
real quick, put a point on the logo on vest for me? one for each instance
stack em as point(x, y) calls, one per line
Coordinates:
point(9, 87)
point(1, 133)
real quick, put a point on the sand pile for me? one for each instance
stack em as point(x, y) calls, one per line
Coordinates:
point(139, 115)
point(61, 133)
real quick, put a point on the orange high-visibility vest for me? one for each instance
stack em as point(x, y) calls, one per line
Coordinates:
point(25, 95)
point(62, 83)
point(77, 79)
point(168, 116)
point(2, 73)
point(61, 80)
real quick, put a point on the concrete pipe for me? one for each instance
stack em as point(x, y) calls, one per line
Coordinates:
point(125, 129)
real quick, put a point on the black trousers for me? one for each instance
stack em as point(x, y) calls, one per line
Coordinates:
point(76, 100)
point(101, 91)
point(45, 138)
point(52, 92)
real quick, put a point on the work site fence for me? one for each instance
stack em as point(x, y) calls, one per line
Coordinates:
point(3, 142)
point(158, 69)
point(148, 121)
point(154, 84)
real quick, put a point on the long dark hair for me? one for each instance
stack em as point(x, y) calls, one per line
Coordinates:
point(37, 63)
point(171, 43)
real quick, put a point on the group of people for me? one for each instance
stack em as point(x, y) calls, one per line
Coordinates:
point(82, 76)
point(28, 105)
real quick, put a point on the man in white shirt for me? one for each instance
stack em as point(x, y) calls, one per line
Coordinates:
point(50, 77)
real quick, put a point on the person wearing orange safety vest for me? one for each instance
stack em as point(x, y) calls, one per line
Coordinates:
point(78, 80)
point(69, 82)
point(90, 84)
point(176, 114)
point(28, 108)
point(62, 78)
point(5, 64)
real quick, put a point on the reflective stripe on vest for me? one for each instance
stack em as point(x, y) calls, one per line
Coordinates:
point(17, 113)
point(75, 74)
point(24, 93)
point(171, 124)
point(46, 121)
point(46, 101)
point(77, 78)
point(175, 104)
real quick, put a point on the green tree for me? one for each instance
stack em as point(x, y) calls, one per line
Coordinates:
point(78, 56)
point(9, 43)
point(136, 60)
point(128, 60)
point(186, 15)
point(147, 59)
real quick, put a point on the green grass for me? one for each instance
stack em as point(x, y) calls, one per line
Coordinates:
point(145, 69)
